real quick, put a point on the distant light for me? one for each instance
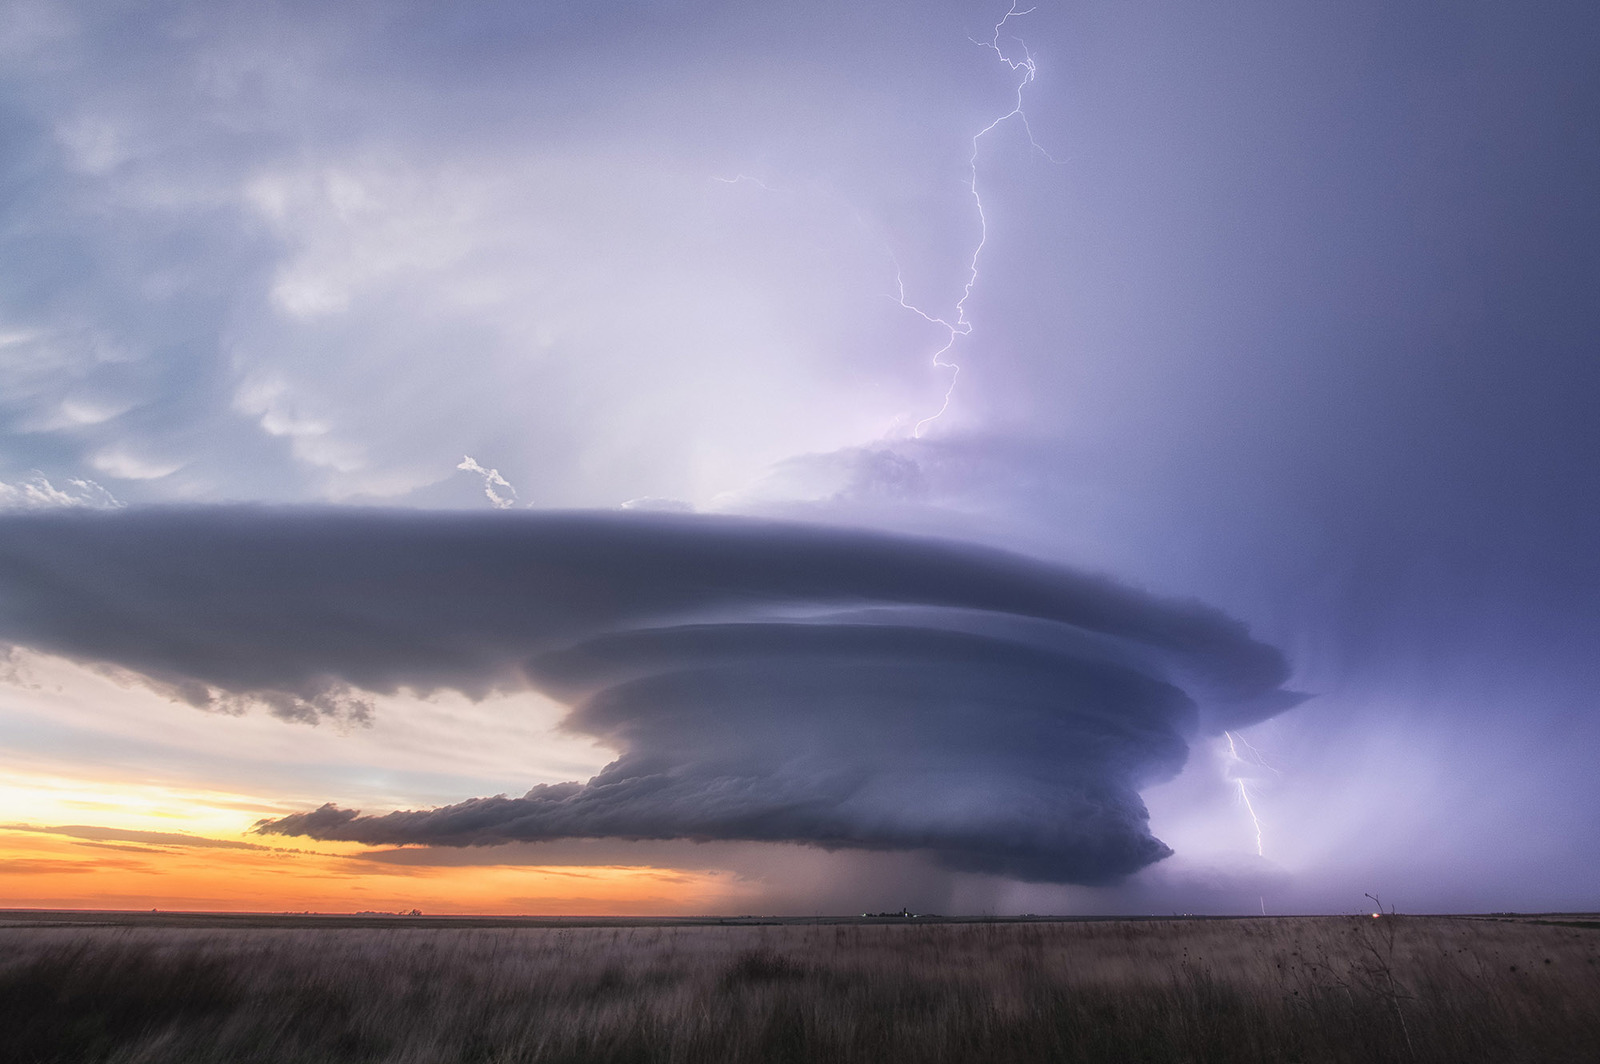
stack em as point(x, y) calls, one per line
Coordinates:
point(1376, 915)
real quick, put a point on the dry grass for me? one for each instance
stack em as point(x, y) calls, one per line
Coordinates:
point(1287, 989)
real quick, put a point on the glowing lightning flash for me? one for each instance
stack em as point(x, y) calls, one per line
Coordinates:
point(962, 326)
point(1026, 70)
point(1241, 781)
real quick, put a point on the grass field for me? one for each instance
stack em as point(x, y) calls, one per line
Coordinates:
point(1277, 989)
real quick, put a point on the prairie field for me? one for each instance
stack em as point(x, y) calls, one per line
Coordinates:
point(1305, 989)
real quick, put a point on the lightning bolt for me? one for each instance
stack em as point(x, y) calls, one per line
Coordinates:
point(1256, 756)
point(958, 325)
point(1243, 783)
point(1026, 69)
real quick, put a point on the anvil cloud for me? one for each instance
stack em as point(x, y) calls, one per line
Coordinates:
point(758, 680)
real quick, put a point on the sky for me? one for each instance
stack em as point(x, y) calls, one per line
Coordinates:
point(698, 456)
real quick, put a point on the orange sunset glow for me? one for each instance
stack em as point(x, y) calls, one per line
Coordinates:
point(161, 817)
point(81, 867)
point(45, 869)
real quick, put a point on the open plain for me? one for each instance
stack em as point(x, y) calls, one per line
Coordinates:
point(177, 988)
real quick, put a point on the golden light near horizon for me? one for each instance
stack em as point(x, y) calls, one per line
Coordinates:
point(45, 798)
point(81, 867)
point(136, 836)
point(160, 816)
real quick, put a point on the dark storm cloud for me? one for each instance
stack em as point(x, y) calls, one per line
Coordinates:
point(760, 681)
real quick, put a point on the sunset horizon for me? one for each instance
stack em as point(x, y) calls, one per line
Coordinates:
point(494, 495)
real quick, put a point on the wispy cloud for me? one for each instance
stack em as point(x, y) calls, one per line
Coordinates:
point(155, 838)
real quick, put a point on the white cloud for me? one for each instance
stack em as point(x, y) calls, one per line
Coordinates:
point(38, 493)
point(491, 480)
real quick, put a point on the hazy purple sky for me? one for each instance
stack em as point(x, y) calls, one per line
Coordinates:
point(1289, 313)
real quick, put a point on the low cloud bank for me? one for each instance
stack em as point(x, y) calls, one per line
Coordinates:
point(759, 680)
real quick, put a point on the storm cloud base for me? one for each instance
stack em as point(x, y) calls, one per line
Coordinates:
point(760, 681)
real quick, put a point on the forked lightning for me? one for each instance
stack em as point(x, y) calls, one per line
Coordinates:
point(1027, 70)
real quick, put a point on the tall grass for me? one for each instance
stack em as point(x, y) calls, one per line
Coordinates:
point(1405, 989)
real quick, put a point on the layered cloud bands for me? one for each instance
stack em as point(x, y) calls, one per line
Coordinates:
point(759, 681)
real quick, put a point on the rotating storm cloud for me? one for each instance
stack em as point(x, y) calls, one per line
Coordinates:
point(1299, 323)
point(758, 681)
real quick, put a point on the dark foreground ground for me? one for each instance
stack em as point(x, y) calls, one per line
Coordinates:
point(185, 988)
